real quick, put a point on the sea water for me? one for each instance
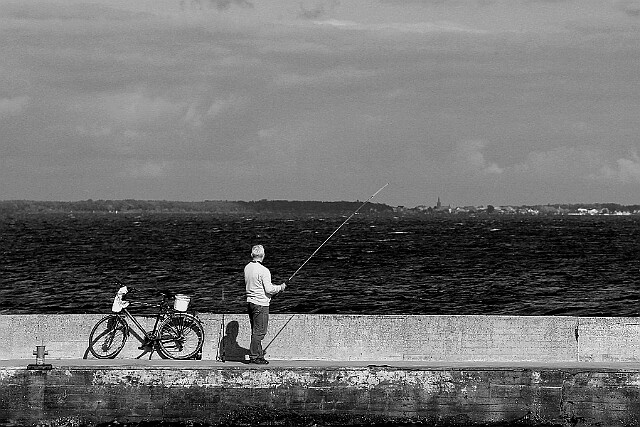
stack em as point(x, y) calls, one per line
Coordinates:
point(498, 265)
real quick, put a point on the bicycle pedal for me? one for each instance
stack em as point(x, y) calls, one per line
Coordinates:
point(145, 346)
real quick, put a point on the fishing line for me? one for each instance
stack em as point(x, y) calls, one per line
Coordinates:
point(335, 231)
point(316, 251)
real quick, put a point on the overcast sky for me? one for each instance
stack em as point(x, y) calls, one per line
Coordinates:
point(473, 101)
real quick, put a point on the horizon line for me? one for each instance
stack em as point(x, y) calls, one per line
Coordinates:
point(303, 201)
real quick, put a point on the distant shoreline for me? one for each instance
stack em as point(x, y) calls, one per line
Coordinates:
point(305, 208)
point(212, 207)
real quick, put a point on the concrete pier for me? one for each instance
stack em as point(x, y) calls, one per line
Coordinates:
point(461, 369)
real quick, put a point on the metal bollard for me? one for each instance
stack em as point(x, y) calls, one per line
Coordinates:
point(40, 352)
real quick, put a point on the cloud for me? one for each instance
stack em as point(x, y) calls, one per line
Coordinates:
point(627, 171)
point(578, 163)
point(551, 163)
point(93, 131)
point(60, 12)
point(469, 157)
point(630, 7)
point(548, 1)
point(232, 102)
point(397, 27)
point(147, 169)
point(10, 106)
point(330, 77)
point(218, 4)
point(560, 163)
point(422, 2)
point(318, 10)
point(197, 115)
point(137, 108)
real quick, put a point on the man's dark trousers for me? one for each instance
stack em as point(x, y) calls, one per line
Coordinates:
point(259, 318)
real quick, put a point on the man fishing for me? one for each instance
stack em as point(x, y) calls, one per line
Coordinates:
point(257, 279)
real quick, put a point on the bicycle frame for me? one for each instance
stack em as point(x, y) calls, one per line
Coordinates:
point(146, 333)
point(162, 312)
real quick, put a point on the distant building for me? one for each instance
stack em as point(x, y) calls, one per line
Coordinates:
point(440, 208)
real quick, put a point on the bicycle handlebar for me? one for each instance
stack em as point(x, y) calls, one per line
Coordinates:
point(130, 289)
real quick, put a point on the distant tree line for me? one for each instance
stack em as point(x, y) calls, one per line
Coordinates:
point(208, 206)
point(311, 207)
point(269, 207)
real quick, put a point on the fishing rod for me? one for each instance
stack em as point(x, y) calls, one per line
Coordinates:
point(314, 252)
point(336, 230)
point(221, 350)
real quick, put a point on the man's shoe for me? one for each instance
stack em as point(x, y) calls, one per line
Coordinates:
point(259, 361)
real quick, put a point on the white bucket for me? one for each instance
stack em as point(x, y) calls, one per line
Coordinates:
point(181, 302)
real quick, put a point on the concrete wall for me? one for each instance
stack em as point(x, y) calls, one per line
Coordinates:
point(357, 338)
point(243, 395)
point(559, 379)
point(609, 339)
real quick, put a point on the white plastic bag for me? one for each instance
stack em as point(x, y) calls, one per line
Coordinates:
point(118, 303)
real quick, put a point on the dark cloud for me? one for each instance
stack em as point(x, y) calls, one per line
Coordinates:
point(459, 2)
point(80, 11)
point(630, 7)
point(421, 1)
point(549, 1)
point(218, 4)
point(317, 11)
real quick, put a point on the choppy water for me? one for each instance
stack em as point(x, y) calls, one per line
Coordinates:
point(276, 418)
point(586, 266)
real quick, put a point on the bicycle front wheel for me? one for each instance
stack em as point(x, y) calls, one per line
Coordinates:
point(108, 337)
point(181, 336)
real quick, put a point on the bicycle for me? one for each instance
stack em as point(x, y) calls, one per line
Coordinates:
point(175, 334)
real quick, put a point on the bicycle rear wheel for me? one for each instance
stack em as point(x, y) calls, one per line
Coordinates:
point(108, 337)
point(181, 336)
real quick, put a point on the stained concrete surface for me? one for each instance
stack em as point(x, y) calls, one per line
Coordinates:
point(356, 392)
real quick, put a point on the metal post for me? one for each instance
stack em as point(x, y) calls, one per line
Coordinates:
point(40, 352)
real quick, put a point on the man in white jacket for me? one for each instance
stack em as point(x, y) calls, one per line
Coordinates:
point(257, 279)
